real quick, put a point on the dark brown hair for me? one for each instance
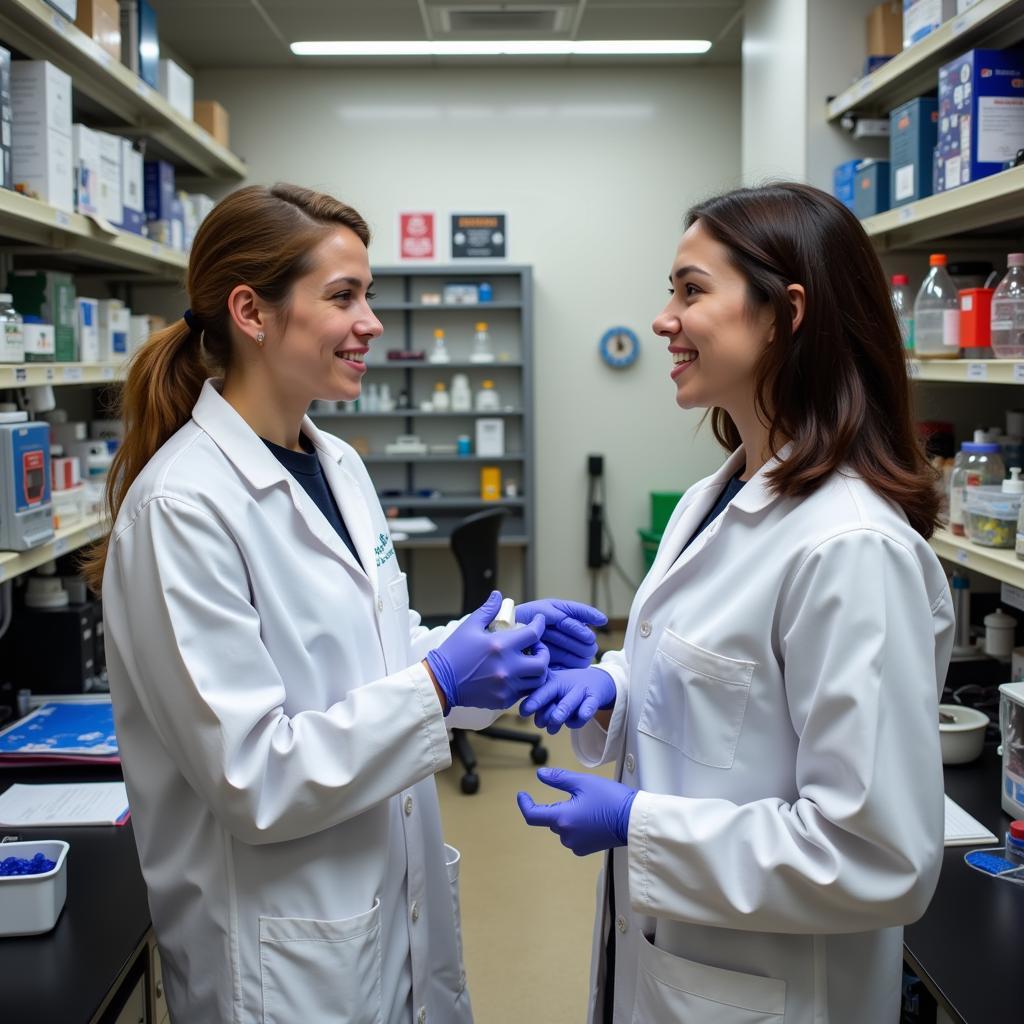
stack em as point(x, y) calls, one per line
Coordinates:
point(262, 237)
point(837, 387)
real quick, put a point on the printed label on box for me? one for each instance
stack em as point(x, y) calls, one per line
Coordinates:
point(952, 171)
point(1000, 127)
point(905, 182)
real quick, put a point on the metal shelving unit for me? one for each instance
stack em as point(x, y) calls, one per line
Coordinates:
point(398, 287)
point(998, 563)
point(14, 563)
point(27, 375)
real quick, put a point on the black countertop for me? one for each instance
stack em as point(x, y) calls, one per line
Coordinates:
point(65, 974)
point(967, 948)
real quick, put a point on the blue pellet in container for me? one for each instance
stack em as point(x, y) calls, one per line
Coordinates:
point(38, 865)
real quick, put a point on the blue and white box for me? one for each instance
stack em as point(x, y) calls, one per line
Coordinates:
point(842, 182)
point(922, 17)
point(981, 114)
point(159, 190)
point(133, 201)
point(871, 188)
point(913, 133)
point(86, 150)
point(88, 330)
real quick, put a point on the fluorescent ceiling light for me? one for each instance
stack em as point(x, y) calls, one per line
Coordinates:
point(514, 47)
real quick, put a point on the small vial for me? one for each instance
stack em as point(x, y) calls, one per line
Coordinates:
point(506, 617)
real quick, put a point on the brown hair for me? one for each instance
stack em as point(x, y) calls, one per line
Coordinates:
point(837, 387)
point(262, 237)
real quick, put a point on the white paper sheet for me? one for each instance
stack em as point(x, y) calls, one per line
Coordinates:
point(82, 803)
point(420, 524)
point(963, 830)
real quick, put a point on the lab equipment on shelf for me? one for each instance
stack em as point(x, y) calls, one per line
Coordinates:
point(26, 508)
point(490, 437)
point(12, 341)
point(464, 445)
point(406, 444)
point(1000, 630)
point(937, 313)
point(1011, 726)
point(977, 464)
point(461, 395)
point(1014, 843)
point(903, 303)
point(1008, 311)
point(976, 323)
point(482, 351)
point(960, 585)
point(487, 399)
point(490, 483)
point(992, 512)
point(442, 401)
point(440, 351)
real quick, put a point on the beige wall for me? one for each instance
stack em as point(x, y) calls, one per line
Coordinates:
point(596, 168)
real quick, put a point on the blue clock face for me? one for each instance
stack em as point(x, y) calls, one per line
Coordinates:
point(619, 347)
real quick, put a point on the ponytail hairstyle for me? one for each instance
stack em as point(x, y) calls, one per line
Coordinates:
point(257, 236)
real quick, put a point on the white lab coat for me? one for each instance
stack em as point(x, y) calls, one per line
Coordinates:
point(776, 707)
point(279, 741)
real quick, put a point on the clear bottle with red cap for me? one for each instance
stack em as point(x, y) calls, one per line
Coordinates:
point(903, 303)
point(937, 313)
point(1015, 842)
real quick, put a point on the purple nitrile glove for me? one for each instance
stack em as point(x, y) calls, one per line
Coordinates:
point(479, 669)
point(569, 696)
point(567, 632)
point(595, 817)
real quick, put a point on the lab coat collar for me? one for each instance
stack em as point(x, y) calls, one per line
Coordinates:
point(757, 493)
point(251, 457)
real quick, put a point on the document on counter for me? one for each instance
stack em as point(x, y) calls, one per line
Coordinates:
point(28, 805)
point(963, 830)
point(416, 524)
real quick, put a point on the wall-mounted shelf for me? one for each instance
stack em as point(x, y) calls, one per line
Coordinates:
point(27, 375)
point(997, 24)
point(993, 202)
point(85, 531)
point(966, 371)
point(36, 29)
point(997, 563)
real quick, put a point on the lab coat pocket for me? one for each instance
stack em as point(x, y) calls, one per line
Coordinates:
point(696, 701)
point(398, 591)
point(452, 859)
point(670, 988)
point(323, 971)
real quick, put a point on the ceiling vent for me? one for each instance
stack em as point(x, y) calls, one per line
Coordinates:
point(501, 20)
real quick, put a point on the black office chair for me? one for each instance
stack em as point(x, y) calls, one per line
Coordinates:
point(475, 546)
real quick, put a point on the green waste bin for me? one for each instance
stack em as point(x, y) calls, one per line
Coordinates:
point(649, 541)
point(663, 504)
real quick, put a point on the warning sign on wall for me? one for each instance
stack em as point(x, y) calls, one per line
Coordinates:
point(416, 236)
point(479, 236)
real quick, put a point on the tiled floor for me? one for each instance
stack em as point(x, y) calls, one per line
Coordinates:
point(527, 902)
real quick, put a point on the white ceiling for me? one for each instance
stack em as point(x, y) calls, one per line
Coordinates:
point(256, 33)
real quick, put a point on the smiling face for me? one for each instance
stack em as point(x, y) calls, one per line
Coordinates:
point(714, 337)
point(316, 348)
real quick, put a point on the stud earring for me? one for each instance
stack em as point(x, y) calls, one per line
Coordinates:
point(260, 338)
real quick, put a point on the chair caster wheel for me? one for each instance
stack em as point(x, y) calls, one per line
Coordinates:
point(539, 755)
point(470, 783)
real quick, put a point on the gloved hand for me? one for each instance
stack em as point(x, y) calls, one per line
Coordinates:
point(595, 817)
point(478, 669)
point(571, 696)
point(567, 633)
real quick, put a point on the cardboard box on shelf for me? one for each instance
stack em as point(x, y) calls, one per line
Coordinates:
point(913, 131)
point(871, 188)
point(40, 96)
point(981, 114)
point(41, 151)
point(114, 323)
point(922, 17)
point(177, 87)
point(50, 295)
point(885, 29)
point(843, 180)
point(101, 21)
point(209, 114)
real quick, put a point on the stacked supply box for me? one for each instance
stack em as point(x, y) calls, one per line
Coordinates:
point(981, 114)
point(843, 181)
point(177, 87)
point(50, 296)
point(110, 177)
point(6, 177)
point(114, 321)
point(41, 137)
point(86, 154)
point(133, 201)
point(913, 132)
point(165, 217)
point(101, 21)
point(88, 330)
point(922, 17)
point(871, 188)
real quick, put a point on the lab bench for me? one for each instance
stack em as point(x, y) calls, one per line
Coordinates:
point(99, 964)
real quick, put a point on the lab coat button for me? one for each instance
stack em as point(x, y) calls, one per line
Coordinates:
point(630, 762)
point(415, 911)
point(380, 604)
point(408, 806)
point(620, 923)
point(421, 1017)
point(645, 629)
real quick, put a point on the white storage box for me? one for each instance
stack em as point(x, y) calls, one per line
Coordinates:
point(177, 87)
point(31, 904)
point(109, 201)
point(1011, 725)
point(68, 507)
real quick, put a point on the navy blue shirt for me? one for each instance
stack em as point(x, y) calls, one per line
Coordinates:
point(306, 468)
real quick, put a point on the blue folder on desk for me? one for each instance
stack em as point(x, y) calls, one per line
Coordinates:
point(62, 732)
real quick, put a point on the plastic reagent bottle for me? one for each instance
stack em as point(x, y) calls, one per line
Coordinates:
point(1015, 842)
point(482, 345)
point(440, 353)
point(903, 303)
point(1008, 311)
point(937, 313)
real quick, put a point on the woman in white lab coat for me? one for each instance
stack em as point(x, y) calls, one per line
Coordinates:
point(776, 814)
point(279, 709)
